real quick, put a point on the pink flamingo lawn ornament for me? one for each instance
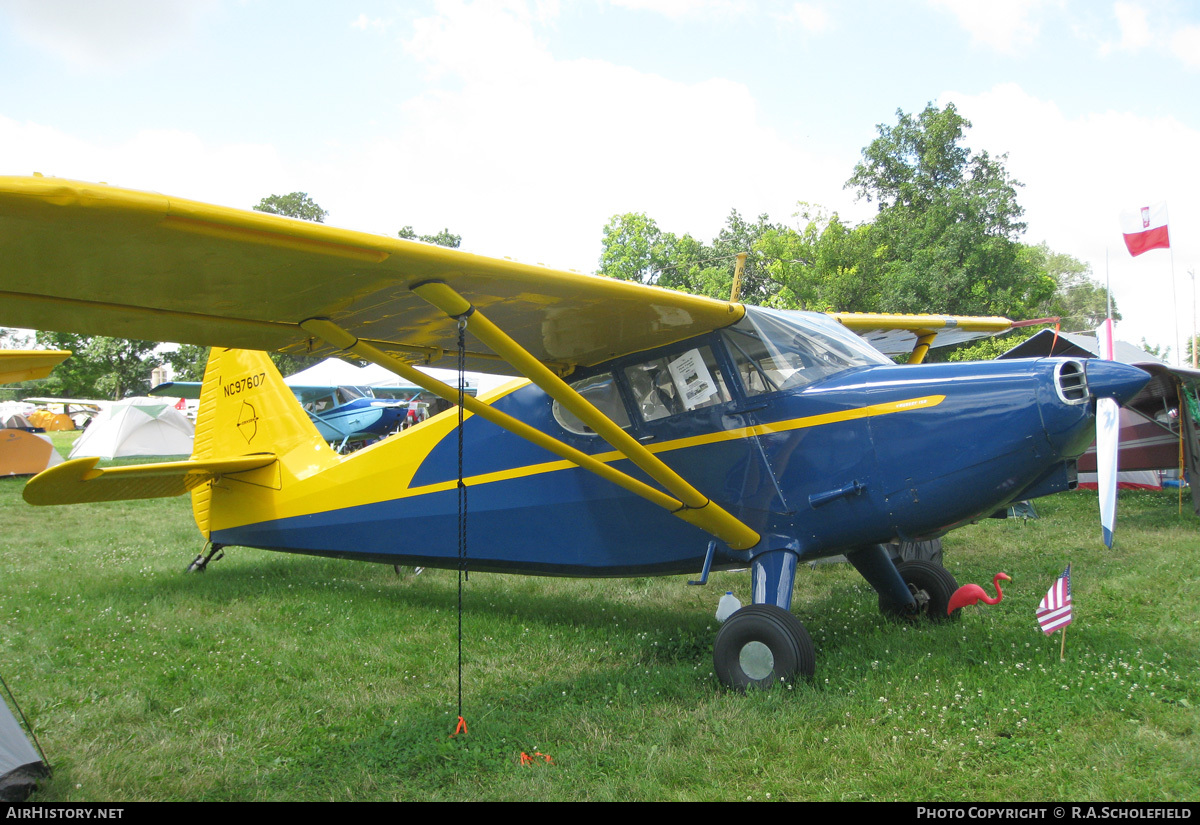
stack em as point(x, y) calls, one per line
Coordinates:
point(973, 594)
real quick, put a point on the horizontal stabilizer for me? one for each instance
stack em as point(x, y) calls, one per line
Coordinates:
point(79, 481)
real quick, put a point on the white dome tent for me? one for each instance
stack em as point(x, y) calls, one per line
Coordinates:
point(136, 426)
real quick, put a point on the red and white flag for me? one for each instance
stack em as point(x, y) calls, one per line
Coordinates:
point(1055, 610)
point(1146, 229)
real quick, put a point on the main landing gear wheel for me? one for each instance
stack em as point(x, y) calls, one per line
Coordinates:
point(931, 585)
point(761, 645)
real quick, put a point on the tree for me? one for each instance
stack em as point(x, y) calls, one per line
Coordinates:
point(188, 362)
point(99, 367)
point(633, 248)
point(293, 205)
point(444, 238)
point(1080, 301)
point(945, 236)
point(820, 267)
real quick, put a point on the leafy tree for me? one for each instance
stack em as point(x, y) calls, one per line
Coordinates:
point(1157, 350)
point(1079, 300)
point(945, 236)
point(444, 238)
point(99, 367)
point(13, 339)
point(635, 249)
point(188, 362)
point(293, 205)
point(820, 267)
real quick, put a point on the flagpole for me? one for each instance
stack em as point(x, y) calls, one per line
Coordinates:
point(1174, 294)
point(1062, 651)
point(1192, 275)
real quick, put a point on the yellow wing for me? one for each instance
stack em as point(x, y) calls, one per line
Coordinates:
point(101, 260)
point(26, 365)
point(915, 334)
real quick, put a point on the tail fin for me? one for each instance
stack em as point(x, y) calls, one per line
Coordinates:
point(245, 408)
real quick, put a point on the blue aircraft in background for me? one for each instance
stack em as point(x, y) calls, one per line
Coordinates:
point(348, 417)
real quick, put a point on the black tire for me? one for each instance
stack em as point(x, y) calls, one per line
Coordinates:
point(932, 585)
point(762, 645)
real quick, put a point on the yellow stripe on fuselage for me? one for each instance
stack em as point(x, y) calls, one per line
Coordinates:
point(371, 476)
point(694, 441)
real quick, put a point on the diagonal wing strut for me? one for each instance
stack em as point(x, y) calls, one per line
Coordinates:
point(684, 501)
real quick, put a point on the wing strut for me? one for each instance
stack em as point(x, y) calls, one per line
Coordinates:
point(686, 502)
point(703, 512)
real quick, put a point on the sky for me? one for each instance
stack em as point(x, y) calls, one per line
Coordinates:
point(524, 126)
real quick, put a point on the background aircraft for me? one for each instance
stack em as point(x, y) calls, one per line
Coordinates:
point(659, 432)
point(347, 416)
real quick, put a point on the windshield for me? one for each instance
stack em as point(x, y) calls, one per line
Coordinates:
point(348, 394)
point(780, 349)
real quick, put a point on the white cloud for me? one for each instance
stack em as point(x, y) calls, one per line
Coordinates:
point(172, 162)
point(1080, 173)
point(1002, 26)
point(1133, 25)
point(1186, 45)
point(362, 23)
point(811, 17)
point(679, 9)
point(513, 148)
point(110, 35)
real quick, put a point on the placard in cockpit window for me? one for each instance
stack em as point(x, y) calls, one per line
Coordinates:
point(692, 379)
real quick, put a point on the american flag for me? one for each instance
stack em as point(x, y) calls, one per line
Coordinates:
point(1055, 610)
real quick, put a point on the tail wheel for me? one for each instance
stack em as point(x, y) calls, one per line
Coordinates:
point(932, 586)
point(762, 645)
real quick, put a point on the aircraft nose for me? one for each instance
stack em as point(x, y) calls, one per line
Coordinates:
point(1112, 379)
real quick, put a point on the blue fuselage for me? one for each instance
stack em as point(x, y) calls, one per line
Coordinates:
point(860, 457)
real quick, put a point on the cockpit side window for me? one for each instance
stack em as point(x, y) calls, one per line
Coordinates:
point(677, 383)
point(602, 393)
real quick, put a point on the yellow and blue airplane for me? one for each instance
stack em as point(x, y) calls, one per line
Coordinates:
point(654, 432)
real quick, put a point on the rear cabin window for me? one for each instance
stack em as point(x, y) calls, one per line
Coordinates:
point(602, 393)
point(677, 383)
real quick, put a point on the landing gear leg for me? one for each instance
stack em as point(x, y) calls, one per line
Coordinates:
point(200, 563)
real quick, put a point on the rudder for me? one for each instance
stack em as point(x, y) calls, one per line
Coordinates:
point(245, 408)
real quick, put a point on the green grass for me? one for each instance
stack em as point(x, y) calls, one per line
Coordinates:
point(276, 677)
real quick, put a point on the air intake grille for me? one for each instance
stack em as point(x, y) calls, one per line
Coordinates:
point(1070, 380)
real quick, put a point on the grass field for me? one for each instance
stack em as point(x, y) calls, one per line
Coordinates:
point(275, 677)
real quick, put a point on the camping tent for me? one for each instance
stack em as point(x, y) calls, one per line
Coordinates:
point(25, 454)
point(136, 426)
point(20, 765)
point(50, 421)
point(334, 372)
